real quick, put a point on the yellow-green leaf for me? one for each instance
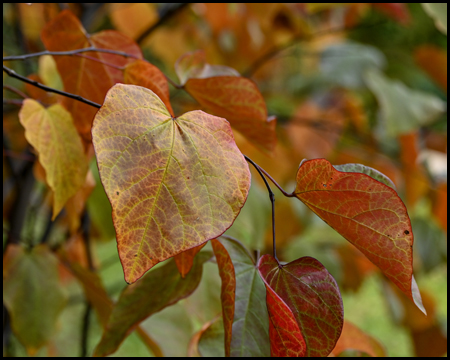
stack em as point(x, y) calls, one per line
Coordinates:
point(53, 135)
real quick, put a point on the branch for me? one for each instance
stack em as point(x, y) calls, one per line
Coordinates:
point(13, 74)
point(69, 52)
point(272, 200)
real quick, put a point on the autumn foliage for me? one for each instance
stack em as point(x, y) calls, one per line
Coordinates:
point(189, 177)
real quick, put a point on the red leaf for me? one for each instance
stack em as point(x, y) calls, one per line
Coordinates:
point(367, 213)
point(185, 259)
point(85, 77)
point(226, 271)
point(312, 295)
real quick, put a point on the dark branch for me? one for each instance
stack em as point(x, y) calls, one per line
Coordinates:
point(13, 74)
point(272, 200)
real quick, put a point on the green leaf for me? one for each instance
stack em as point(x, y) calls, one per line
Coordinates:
point(250, 331)
point(156, 290)
point(402, 109)
point(358, 168)
point(32, 294)
point(437, 11)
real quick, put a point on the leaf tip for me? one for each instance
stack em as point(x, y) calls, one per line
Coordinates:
point(416, 295)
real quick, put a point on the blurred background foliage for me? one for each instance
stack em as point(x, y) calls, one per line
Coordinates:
point(363, 83)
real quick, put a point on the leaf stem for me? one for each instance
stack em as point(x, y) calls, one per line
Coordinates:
point(13, 74)
point(272, 200)
point(285, 193)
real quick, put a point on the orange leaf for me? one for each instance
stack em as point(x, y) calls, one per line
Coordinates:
point(434, 61)
point(221, 91)
point(82, 76)
point(367, 213)
point(355, 339)
point(144, 74)
point(52, 133)
point(228, 292)
point(185, 259)
point(173, 183)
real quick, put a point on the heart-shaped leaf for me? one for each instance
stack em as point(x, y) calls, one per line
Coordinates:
point(228, 291)
point(53, 135)
point(312, 295)
point(83, 76)
point(158, 289)
point(367, 213)
point(173, 183)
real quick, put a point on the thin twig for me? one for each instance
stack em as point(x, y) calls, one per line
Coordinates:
point(272, 200)
point(285, 193)
point(69, 52)
point(16, 91)
point(13, 74)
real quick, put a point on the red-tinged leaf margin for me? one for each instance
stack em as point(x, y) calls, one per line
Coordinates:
point(312, 294)
point(228, 292)
point(156, 290)
point(376, 221)
point(185, 260)
point(286, 339)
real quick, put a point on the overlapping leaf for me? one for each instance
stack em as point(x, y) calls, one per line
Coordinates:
point(158, 289)
point(373, 173)
point(228, 292)
point(312, 296)
point(88, 78)
point(32, 294)
point(250, 331)
point(286, 339)
point(173, 183)
point(144, 74)
point(53, 135)
point(222, 92)
point(185, 260)
point(367, 213)
point(353, 338)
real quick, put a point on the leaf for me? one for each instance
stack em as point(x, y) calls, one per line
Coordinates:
point(228, 291)
point(144, 74)
point(221, 91)
point(438, 12)
point(250, 331)
point(173, 183)
point(193, 65)
point(210, 342)
point(185, 259)
point(82, 76)
point(52, 133)
point(32, 294)
point(367, 213)
point(402, 109)
point(354, 338)
point(373, 173)
point(312, 295)
point(286, 339)
point(158, 289)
